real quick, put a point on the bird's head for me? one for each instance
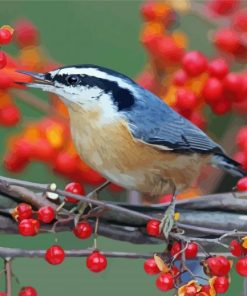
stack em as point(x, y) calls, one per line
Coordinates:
point(88, 86)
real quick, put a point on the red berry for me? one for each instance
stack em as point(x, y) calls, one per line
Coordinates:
point(74, 188)
point(212, 90)
point(28, 291)
point(147, 80)
point(180, 78)
point(191, 250)
point(236, 248)
point(23, 148)
point(232, 82)
point(221, 285)
point(25, 33)
point(227, 40)
point(46, 214)
point(194, 63)
point(6, 81)
point(43, 150)
point(241, 266)
point(5, 36)
point(223, 6)
point(242, 184)
point(3, 60)
point(218, 68)
point(240, 20)
point(96, 262)
point(221, 107)
point(83, 230)
point(242, 137)
point(165, 282)
point(55, 255)
point(168, 50)
point(174, 270)
point(148, 11)
point(206, 289)
point(2, 293)
point(186, 100)
point(14, 163)
point(175, 249)
point(218, 266)
point(153, 227)
point(9, 115)
point(150, 267)
point(23, 211)
point(65, 163)
point(29, 227)
point(91, 177)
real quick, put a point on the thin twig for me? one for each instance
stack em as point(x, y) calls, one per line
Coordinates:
point(8, 275)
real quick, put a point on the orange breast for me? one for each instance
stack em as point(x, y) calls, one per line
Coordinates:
point(111, 150)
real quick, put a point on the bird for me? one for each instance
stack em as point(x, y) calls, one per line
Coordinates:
point(128, 134)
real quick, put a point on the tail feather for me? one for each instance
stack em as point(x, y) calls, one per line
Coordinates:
point(229, 165)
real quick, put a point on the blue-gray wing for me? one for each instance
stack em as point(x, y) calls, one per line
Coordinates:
point(154, 122)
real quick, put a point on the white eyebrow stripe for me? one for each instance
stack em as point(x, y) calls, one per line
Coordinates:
point(96, 73)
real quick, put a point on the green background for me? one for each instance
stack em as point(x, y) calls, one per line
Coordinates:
point(104, 33)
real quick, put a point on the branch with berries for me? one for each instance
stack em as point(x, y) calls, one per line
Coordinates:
point(44, 207)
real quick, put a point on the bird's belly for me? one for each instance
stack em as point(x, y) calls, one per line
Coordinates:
point(107, 162)
point(113, 152)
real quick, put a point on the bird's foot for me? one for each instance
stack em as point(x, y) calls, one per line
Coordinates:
point(169, 219)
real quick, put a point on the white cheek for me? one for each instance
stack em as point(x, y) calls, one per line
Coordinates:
point(90, 99)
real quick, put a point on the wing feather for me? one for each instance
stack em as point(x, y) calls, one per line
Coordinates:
point(154, 122)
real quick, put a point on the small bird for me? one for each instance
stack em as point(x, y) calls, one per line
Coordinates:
point(129, 135)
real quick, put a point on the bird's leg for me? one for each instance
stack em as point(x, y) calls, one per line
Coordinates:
point(167, 222)
point(81, 206)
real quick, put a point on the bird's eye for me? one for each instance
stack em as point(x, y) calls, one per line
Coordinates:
point(73, 79)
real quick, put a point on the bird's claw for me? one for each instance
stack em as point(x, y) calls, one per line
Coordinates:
point(168, 220)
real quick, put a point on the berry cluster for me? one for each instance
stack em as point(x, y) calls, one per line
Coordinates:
point(230, 39)
point(216, 268)
point(189, 81)
point(29, 225)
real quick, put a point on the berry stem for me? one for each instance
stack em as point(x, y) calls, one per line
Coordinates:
point(8, 275)
point(96, 234)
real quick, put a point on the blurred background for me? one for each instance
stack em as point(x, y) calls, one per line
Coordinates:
point(106, 33)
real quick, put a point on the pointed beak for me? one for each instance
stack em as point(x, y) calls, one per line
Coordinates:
point(40, 79)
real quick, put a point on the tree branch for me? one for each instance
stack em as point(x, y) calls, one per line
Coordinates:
point(17, 253)
point(115, 222)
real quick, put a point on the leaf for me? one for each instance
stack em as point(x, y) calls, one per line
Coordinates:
point(182, 289)
point(244, 243)
point(167, 222)
point(211, 281)
point(161, 264)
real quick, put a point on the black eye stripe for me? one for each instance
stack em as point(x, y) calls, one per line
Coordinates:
point(122, 97)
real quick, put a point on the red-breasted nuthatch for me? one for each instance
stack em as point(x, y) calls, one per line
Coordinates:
point(128, 134)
